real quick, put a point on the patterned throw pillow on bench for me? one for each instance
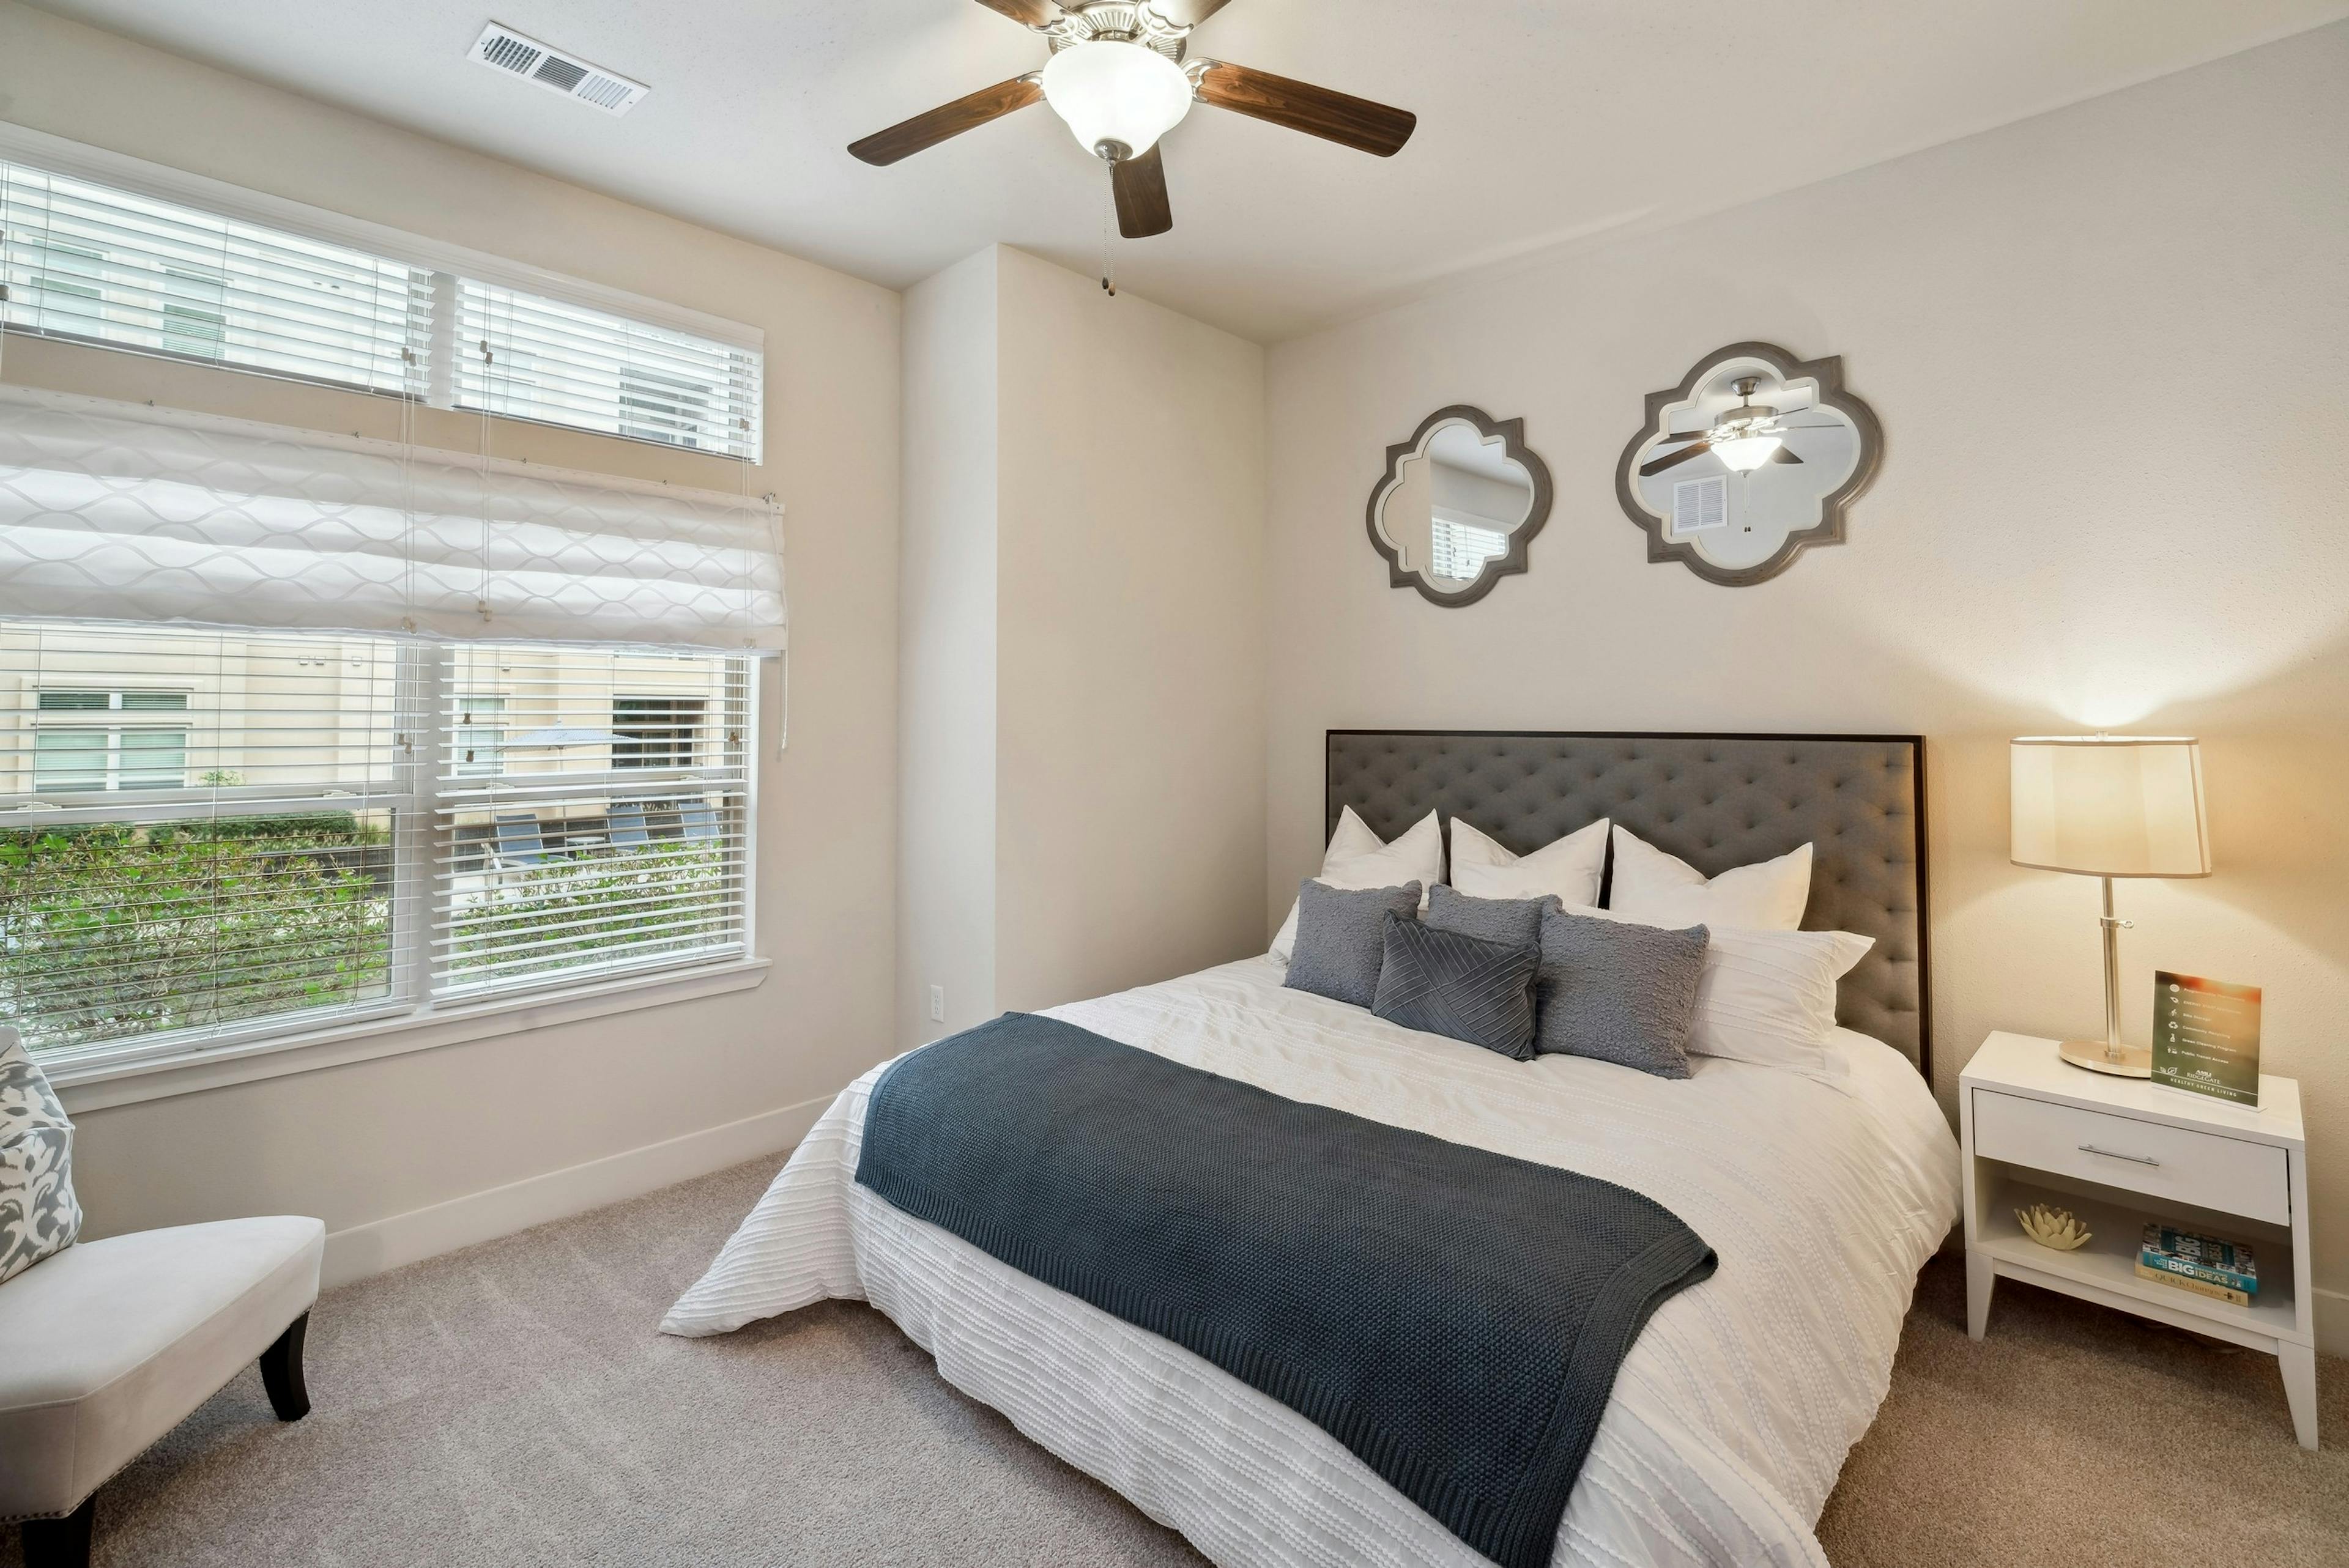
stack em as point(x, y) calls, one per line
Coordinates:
point(38, 1213)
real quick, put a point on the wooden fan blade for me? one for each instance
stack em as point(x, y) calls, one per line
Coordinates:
point(1140, 186)
point(1359, 123)
point(1660, 464)
point(1688, 436)
point(1785, 454)
point(909, 137)
point(1187, 13)
point(1027, 13)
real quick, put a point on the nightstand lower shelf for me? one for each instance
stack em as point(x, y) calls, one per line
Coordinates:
point(2106, 1266)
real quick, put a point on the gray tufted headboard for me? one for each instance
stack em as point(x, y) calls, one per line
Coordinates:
point(1715, 800)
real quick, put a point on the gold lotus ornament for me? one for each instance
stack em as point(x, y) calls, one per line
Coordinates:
point(2058, 1228)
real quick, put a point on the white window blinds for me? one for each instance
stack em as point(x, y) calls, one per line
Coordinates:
point(529, 357)
point(576, 855)
point(95, 262)
point(85, 261)
point(197, 834)
point(209, 837)
point(114, 511)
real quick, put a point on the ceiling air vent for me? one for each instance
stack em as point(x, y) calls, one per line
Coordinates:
point(517, 54)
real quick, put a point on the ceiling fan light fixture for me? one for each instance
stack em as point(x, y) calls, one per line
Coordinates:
point(1118, 99)
point(1743, 454)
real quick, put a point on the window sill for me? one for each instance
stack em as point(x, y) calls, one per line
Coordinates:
point(100, 1085)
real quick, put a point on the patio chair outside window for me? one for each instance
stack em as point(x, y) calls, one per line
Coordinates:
point(520, 841)
point(625, 826)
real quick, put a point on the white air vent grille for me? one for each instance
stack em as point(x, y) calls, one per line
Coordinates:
point(516, 54)
point(1700, 504)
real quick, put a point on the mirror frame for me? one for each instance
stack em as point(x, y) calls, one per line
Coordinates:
point(1511, 434)
point(1829, 529)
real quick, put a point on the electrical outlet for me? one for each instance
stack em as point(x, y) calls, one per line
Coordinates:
point(937, 1003)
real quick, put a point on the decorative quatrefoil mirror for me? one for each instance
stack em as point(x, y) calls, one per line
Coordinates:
point(1751, 459)
point(1459, 503)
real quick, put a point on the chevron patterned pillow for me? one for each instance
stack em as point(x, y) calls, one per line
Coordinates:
point(1449, 984)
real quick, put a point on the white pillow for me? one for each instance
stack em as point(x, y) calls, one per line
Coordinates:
point(1357, 858)
point(1769, 997)
point(1652, 888)
point(1568, 867)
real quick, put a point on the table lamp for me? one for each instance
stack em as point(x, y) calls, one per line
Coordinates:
point(2110, 806)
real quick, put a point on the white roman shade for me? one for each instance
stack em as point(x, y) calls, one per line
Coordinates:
point(115, 512)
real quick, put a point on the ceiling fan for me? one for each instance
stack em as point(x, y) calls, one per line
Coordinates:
point(1744, 437)
point(1118, 76)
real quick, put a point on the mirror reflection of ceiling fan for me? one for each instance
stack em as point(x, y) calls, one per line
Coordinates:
point(1744, 438)
point(1118, 76)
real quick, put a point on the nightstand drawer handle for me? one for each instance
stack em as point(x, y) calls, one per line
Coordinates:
point(2109, 1154)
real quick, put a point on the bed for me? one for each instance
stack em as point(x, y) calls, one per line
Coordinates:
point(1730, 1418)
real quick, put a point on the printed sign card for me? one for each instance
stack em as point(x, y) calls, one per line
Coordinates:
point(2206, 1036)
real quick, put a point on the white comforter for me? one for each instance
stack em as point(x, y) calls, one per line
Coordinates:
point(1730, 1416)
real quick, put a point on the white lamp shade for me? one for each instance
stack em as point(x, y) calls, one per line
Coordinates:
point(2117, 806)
point(1116, 95)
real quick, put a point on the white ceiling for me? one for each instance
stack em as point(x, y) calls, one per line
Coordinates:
point(1541, 120)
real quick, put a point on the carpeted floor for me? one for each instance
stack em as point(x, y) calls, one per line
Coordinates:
point(510, 1405)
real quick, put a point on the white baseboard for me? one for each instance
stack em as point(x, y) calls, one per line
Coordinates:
point(2332, 1322)
point(388, 1244)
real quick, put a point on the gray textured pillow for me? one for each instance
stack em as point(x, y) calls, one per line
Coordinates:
point(1619, 992)
point(38, 1212)
point(1516, 921)
point(1341, 938)
point(1449, 984)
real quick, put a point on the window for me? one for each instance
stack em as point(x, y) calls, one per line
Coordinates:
point(207, 837)
point(479, 745)
point(1459, 549)
point(99, 263)
point(81, 741)
point(115, 267)
point(530, 357)
point(656, 731)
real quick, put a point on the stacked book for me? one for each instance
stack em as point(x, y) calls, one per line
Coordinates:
point(2203, 1264)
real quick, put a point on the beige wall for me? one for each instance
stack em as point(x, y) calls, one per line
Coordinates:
point(2107, 349)
point(1130, 794)
point(946, 654)
point(1103, 609)
point(359, 1143)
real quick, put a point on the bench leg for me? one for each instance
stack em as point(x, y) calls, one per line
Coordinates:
point(281, 1372)
point(59, 1543)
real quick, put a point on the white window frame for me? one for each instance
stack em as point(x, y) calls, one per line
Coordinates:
point(41, 151)
point(109, 721)
point(411, 1019)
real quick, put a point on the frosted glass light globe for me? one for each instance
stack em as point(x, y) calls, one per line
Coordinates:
point(1746, 453)
point(1118, 97)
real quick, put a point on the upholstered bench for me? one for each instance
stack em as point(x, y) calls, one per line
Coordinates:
point(106, 1346)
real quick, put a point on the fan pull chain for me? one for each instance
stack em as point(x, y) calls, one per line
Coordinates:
point(1109, 262)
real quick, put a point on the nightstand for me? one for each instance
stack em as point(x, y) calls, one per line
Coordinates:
point(2119, 1151)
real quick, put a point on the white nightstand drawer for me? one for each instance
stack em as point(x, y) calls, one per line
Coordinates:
point(2232, 1175)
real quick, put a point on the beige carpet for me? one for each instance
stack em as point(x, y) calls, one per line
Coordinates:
point(510, 1405)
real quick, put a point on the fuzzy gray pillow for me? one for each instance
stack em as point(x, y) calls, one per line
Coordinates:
point(1341, 938)
point(1621, 993)
point(38, 1212)
point(1514, 921)
point(1453, 985)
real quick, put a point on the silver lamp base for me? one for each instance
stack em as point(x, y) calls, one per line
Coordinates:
point(2121, 1061)
point(2108, 1054)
